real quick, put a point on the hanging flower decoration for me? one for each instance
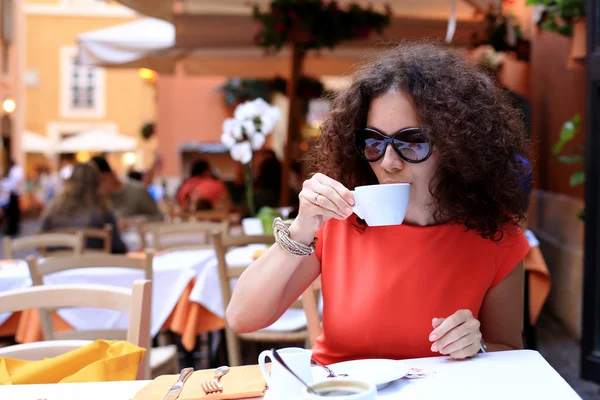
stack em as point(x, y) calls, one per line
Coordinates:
point(315, 24)
point(245, 133)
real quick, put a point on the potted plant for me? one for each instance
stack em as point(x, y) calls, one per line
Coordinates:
point(574, 155)
point(565, 17)
point(245, 133)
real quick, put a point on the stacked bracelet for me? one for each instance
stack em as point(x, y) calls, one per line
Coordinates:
point(281, 230)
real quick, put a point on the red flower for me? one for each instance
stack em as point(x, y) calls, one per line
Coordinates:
point(293, 15)
point(364, 32)
point(280, 27)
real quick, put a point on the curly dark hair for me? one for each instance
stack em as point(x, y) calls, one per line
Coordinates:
point(479, 136)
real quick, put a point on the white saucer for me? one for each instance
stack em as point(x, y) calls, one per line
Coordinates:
point(381, 372)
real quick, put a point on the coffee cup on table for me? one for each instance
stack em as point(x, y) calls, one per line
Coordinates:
point(381, 205)
point(282, 384)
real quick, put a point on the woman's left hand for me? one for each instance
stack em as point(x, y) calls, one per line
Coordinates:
point(457, 335)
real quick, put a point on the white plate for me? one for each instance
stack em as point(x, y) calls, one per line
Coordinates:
point(381, 372)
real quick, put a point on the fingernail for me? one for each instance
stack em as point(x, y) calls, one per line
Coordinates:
point(351, 201)
point(432, 338)
point(348, 211)
point(434, 348)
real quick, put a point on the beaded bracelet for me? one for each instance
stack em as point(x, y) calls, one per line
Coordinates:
point(281, 230)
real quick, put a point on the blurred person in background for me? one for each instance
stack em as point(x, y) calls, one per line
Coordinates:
point(267, 181)
point(12, 188)
point(83, 204)
point(202, 190)
point(128, 198)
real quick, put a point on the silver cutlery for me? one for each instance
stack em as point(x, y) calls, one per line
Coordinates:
point(326, 368)
point(175, 390)
point(214, 386)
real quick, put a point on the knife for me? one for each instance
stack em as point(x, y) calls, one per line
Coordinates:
point(175, 390)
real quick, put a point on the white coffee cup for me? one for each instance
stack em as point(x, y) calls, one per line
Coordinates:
point(381, 205)
point(282, 384)
point(361, 390)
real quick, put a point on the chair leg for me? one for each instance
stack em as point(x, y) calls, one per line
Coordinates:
point(529, 334)
point(233, 348)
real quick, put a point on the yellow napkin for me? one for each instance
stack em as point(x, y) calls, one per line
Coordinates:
point(99, 361)
point(240, 383)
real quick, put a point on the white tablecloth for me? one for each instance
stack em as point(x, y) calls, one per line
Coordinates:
point(207, 290)
point(512, 375)
point(172, 273)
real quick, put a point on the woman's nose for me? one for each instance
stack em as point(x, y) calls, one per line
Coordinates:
point(391, 161)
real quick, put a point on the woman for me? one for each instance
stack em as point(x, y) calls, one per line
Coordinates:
point(83, 204)
point(448, 280)
point(202, 190)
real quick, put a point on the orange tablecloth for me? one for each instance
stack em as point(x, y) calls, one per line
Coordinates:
point(539, 282)
point(187, 319)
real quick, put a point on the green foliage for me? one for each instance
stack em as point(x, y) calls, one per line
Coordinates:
point(576, 154)
point(560, 15)
point(315, 24)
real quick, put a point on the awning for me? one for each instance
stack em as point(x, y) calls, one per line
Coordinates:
point(221, 45)
point(97, 141)
point(36, 143)
point(126, 43)
point(167, 9)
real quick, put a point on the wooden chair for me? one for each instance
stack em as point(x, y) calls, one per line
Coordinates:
point(42, 241)
point(184, 235)
point(104, 234)
point(160, 358)
point(136, 302)
point(310, 303)
point(222, 245)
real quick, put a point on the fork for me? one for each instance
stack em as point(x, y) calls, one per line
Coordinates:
point(214, 386)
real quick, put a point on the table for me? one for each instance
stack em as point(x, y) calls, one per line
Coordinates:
point(519, 374)
point(172, 273)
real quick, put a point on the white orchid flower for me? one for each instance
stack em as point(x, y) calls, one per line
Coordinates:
point(228, 125)
point(242, 152)
point(257, 141)
point(237, 131)
point(266, 124)
point(249, 128)
point(228, 140)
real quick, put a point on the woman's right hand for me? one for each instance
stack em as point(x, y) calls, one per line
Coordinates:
point(321, 198)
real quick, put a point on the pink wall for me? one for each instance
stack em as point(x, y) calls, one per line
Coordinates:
point(188, 109)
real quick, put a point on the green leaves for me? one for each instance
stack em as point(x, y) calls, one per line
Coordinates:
point(560, 15)
point(577, 178)
point(567, 133)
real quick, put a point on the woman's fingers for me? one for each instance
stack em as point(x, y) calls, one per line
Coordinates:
point(341, 190)
point(330, 199)
point(310, 209)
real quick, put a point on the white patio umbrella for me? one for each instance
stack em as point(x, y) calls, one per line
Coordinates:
point(35, 143)
point(125, 43)
point(100, 141)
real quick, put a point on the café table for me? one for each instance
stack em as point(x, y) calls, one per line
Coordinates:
point(519, 374)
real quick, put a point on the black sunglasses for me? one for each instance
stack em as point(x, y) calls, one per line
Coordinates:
point(411, 144)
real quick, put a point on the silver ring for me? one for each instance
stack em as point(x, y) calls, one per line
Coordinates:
point(317, 199)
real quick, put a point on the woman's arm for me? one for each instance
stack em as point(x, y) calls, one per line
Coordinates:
point(501, 313)
point(499, 324)
point(269, 287)
point(274, 281)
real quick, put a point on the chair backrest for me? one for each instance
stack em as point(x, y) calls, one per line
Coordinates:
point(104, 234)
point(222, 244)
point(218, 215)
point(136, 302)
point(42, 241)
point(38, 268)
point(185, 235)
point(310, 303)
